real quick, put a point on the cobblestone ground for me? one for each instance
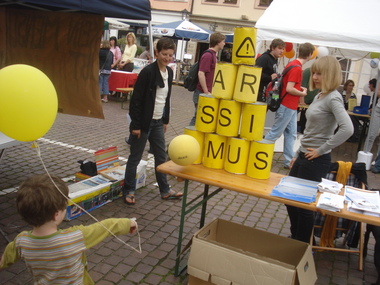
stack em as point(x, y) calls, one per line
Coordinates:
point(111, 262)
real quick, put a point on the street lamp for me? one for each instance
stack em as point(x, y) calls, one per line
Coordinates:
point(185, 14)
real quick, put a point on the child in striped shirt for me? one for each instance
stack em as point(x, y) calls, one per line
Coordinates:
point(53, 255)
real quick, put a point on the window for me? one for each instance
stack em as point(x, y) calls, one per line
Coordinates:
point(221, 2)
point(262, 4)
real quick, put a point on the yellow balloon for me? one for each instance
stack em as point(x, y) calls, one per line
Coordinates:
point(315, 53)
point(28, 102)
point(184, 150)
point(290, 54)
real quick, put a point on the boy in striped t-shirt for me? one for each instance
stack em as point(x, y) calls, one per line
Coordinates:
point(55, 256)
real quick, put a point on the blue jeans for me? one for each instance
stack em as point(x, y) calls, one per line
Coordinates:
point(103, 84)
point(301, 220)
point(285, 123)
point(156, 138)
point(195, 100)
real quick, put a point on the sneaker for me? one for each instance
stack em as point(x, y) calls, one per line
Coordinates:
point(104, 100)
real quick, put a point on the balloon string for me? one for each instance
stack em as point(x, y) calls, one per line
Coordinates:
point(139, 250)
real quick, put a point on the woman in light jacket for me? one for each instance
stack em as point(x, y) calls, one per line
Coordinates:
point(126, 63)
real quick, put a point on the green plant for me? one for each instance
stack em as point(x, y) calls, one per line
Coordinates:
point(139, 51)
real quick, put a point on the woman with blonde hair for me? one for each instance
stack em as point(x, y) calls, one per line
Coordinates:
point(126, 63)
point(313, 158)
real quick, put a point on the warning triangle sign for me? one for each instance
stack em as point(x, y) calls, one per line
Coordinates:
point(246, 48)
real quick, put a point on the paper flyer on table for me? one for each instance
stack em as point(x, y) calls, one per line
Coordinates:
point(362, 201)
point(331, 202)
point(296, 189)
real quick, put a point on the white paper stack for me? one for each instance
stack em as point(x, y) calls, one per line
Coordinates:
point(331, 202)
point(363, 201)
point(329, 186)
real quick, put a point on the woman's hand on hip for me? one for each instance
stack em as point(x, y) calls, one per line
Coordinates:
point(311, 154)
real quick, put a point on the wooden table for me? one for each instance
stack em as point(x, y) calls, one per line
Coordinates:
point(238, 183)
point(121, 79)
point(125, 93)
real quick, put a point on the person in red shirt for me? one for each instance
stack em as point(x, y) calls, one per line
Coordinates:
point(286, 116)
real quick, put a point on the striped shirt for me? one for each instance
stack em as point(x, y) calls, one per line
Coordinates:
point(60, 258)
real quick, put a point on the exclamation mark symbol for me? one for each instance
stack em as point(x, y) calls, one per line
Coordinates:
point(247, 52)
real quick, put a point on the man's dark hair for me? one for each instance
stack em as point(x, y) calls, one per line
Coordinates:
point(165, 43)
point(373, 82)
point(277, 43)
point(216, 38)
point(305, 50)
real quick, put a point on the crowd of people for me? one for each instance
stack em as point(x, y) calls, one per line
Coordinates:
point(42, 200)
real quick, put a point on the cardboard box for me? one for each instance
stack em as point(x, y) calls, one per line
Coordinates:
point(224, 253)
point(90, 194)
point(101, 189)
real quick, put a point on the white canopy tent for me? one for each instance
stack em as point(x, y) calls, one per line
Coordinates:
point(344, 24)
point(116, 25)
point(347, 27)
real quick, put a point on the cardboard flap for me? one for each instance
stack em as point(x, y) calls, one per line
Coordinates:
point(306, 273)
point(221, 281)
point(201, 274)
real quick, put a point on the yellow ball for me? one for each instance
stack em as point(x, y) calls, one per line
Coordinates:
point(184, 150)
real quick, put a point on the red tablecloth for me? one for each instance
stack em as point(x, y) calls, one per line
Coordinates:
point(121, 79)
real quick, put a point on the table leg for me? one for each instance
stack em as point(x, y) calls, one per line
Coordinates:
point(204, 206)
point(205, 196)
point(2, 151)
point(363, 134)
point(177, 270)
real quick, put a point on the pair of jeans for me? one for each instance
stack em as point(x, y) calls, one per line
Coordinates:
point(285, 123)
point(195, 100)
point(156, 138)
point(103, 83)
point(301, 220)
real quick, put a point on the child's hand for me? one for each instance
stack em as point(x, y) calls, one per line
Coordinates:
point(133, 227)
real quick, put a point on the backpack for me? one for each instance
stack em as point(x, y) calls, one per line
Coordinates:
point(191, 80)
point(273, 101)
